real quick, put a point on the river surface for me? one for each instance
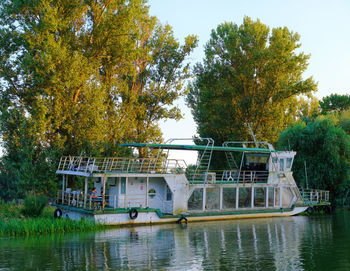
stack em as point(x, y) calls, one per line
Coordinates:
point(291, 243)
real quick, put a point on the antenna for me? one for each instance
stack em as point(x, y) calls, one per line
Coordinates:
point(251, 131)
point(307, 183)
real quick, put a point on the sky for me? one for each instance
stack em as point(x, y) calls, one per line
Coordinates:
point(323, 26)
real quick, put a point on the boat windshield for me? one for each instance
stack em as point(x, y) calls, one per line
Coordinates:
point(256, 161)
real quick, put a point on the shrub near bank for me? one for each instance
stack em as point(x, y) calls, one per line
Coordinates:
point(33, 206)
point(17, 220)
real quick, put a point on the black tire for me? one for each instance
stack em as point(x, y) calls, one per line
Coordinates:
point(133, 213)
point(58, 213)
point(310, 210)
point(182, 219)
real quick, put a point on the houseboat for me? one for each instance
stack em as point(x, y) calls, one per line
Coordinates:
point(254, 181)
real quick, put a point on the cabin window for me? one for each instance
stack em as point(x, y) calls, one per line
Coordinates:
point(169, 194)
point(245, 197)
point(289, 162)
point(212, 198)
point(270, 191)
point(122, 185)
point(195, 202)
point(256, 162)
point(281, 164)
point(259, 197)
point(287, 196)
point(229, 198)
point(277, 196)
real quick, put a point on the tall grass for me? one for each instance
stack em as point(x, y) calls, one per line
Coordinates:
point(42, 225)
point(14, 223)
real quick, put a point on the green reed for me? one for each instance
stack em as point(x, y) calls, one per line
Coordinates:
point(44, 225)
point(14, 223)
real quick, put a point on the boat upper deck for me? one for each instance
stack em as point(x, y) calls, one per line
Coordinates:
point(86, 166)
point(94, 166)
point(254, 167)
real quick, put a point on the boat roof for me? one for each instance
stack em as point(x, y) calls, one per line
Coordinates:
point(195, 147)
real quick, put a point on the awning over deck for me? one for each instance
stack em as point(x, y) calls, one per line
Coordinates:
point(194, 147)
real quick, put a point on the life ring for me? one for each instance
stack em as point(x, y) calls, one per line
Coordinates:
point(133, 213)
point(182, 219)
point(57, 213)
point(310, 210)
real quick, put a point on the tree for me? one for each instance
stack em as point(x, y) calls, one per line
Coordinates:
point(307, 109)
point(158, 78)
point(249, 74)
point(83, 76)
point(326, 150)
point(335, 103)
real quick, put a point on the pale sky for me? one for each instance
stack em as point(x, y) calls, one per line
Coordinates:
point(323, 26)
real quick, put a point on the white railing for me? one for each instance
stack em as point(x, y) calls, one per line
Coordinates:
point(77, 199)
point(230, 176)
point(314, 196)
point(117, 164)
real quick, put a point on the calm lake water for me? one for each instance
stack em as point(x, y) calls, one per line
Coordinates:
point(292, 243)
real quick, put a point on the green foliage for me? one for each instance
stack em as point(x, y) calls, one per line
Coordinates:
point(344, 121)
point(33, 206)
point(326, 150)
point(9, 210)
point(307, 109)
point(249, 74)
point(30, 226)
point(80, 77)
point(13, 223)
point(335, 103)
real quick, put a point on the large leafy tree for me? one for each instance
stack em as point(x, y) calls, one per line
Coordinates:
point(326, 150)
point(84, 76)
point(249, 74)
point(335, 103)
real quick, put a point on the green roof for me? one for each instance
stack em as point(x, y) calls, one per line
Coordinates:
point(194, 147)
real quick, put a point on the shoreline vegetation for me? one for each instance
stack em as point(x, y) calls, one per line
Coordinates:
point(14, 223)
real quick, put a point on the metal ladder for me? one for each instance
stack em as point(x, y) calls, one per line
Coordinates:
point(204, 158)
point(229, 157)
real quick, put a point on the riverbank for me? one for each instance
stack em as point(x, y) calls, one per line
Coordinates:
point(14, 223)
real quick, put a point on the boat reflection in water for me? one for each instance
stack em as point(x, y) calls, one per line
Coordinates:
point(247, 244)
point(291, 243)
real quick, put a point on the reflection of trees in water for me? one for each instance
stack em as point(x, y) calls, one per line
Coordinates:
point(326, 243)
point(269, 244)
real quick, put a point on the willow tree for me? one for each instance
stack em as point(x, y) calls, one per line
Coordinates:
point(249, 75)
point(335, 103)
point(324, 149)
point(81, 76)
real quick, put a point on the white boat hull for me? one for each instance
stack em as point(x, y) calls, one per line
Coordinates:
point(153, 218)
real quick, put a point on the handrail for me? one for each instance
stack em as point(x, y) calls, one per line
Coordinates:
point(229, 176)
point(77, 199)
point(121, 164)
point(314, 196)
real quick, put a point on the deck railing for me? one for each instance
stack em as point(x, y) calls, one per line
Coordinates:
point(117, 164)
point(314, 196)
point(229, 176)
point(77, 199)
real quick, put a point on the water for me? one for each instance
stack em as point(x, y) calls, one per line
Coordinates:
point(291, 243)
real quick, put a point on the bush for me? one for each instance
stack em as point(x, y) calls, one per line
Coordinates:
point(9, 210)
point(34, 205)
